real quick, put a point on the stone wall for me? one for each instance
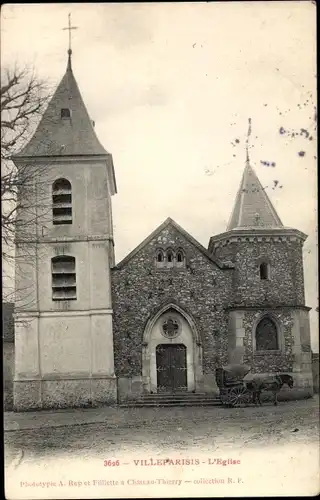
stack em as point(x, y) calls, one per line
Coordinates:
point(286, 359)
point(140, 289)
point(285, 286)
point(269, 362)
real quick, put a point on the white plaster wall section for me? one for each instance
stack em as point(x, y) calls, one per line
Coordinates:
point(65, 346)
point(98, 200)
point(26, 278)
point(102, 345)
point(26, 348)
point(100, 282)
point(296, 348)
point(305, 326)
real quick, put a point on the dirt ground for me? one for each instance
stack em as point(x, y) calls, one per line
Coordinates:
point(170, 452)
point(168, 429)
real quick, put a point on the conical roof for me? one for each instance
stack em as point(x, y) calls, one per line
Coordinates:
point(60, 135)
point(252, 208)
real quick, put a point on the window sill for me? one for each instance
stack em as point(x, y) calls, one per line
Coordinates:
point(178, 269)
point(268, 351)
point(54, 299)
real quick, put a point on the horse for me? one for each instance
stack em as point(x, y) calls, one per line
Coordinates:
point(273, 383)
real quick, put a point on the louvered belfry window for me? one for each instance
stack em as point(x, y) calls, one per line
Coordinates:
point(63, 268)
point(61, 202)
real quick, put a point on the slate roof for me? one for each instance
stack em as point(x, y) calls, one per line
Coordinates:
point(253, 207)
point(185, 234)
point(56, 136)
point(7, 322)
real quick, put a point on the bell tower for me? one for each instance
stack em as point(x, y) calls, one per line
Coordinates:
point(268, 318)
point(63, 319)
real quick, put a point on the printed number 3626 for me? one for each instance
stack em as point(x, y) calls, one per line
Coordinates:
point(111, 463)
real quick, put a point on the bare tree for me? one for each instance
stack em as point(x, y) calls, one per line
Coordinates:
point(23, 100)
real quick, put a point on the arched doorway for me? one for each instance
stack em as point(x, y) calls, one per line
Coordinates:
point(172, 352)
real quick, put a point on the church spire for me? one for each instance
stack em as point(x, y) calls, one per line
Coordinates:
point(65, 128)
point(252, 208)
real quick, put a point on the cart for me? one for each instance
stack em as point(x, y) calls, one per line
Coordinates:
point(232, 388)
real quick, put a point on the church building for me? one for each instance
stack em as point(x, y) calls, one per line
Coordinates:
point(89, 331)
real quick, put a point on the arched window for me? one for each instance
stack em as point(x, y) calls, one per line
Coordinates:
point(159, 258)
point(63, 269)
point(266, 335)
point(170, 258)
point(180, 259)
point(61, 202)
point(264, 271)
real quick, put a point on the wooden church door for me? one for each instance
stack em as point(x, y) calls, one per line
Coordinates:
point(171, 362)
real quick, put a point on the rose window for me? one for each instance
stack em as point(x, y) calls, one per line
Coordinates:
point(170, 328)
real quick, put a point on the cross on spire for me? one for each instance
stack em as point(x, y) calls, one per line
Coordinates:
point(247, 141)
point(70, 28)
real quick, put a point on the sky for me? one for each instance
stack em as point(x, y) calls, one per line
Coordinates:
point(171, 87)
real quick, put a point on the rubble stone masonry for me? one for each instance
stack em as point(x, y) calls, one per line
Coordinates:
point(139, 289)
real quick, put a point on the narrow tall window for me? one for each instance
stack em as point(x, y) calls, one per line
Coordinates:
point(266, 335)
point(170, 258)
point(180, 260)
point(160, 256)
point(264, 271)
point(63, 268)
point(61, 202)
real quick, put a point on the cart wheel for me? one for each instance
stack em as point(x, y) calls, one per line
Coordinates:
point(239, 396)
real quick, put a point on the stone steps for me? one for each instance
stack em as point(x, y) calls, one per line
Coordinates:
point(157, 404)
point(165, 400)
point(179, 398)
point(190, 395)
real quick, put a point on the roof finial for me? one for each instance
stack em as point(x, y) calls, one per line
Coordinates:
point(69, 28)
point(247, 141)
